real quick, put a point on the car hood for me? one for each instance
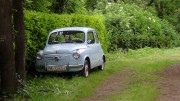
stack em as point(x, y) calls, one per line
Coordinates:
point(63, 48)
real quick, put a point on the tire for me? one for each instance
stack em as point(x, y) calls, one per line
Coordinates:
point(102, 66)
point(85, 71)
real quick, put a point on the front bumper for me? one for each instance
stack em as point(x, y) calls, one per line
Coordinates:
point(64, 68)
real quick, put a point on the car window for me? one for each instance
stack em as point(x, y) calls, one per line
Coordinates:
point(90, 38)
point(66, 37)
point(96, 37)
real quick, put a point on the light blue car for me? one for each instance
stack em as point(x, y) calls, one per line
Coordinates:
point(71, 49)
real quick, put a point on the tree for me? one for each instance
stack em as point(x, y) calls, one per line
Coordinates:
point(69, 6)
point(58, 6)
point(165, 8)
point(7, 63)
point(18, 19)
point(75, 6)
point(91, 5)
point(168, 10)
point(159, 7)
point(38, 5)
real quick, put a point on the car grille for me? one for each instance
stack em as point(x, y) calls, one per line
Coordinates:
point(57, 59)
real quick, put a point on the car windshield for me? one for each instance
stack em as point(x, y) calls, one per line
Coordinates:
point(66, 37)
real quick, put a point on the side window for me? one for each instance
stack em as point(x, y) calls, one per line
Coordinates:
point(90, 38)
point(96, 37)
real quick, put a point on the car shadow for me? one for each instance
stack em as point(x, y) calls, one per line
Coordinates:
point(66, 75)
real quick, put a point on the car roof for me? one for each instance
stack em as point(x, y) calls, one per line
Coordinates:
point(84, 29)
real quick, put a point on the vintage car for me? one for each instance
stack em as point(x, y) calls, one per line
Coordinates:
point(71, 49)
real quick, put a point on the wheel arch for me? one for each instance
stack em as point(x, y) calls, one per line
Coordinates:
point(104, 58)
point(89, 63)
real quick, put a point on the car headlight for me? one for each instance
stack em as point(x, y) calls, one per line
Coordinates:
point(39, 55)
point(76, 54)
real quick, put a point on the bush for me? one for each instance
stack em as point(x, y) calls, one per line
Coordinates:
point(38, 25)
point(130, 26)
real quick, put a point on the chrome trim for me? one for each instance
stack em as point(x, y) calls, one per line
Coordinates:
point(79, 65)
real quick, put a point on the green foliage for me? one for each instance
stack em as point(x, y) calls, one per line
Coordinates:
point(171, 11)
point(56, 6)
point(91, 5)
point(129, 26)
point(38, 5)
point(75, 6)
point(100, 6)
point(38, 25)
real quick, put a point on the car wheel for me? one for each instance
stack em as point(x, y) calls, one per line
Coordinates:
point(102, 66)
point(85, 71)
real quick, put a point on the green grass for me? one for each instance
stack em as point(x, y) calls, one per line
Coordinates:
point(56, 88)
point(141, 87)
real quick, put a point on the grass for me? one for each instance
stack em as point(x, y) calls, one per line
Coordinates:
point(141, 87)
point(56, 88)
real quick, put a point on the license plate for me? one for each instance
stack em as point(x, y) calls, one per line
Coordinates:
point(56, 68)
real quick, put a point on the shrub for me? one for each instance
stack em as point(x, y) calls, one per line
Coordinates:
point(38, 25)
point(130, 26)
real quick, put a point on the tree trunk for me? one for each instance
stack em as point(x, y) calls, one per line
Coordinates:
point(7, 63)
point(159, 6)
point(18, 19)
point(159, 9)
point(59, 6)
point(115, 1)
point(150, 3)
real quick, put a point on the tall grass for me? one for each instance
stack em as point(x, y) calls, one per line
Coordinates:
point(141, 88)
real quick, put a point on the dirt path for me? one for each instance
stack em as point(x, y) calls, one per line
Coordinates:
point(113, 85)
point(169, 84)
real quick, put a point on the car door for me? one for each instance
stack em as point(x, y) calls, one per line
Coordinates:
point(92, 49)
point(99, 51)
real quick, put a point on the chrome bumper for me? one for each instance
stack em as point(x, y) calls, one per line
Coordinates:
point(64, 68)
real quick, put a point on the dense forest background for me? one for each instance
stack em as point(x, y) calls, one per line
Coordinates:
point(164, 9)
point(123, 17)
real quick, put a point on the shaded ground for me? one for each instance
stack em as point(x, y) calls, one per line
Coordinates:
point(113, 85)
point(169, 84)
